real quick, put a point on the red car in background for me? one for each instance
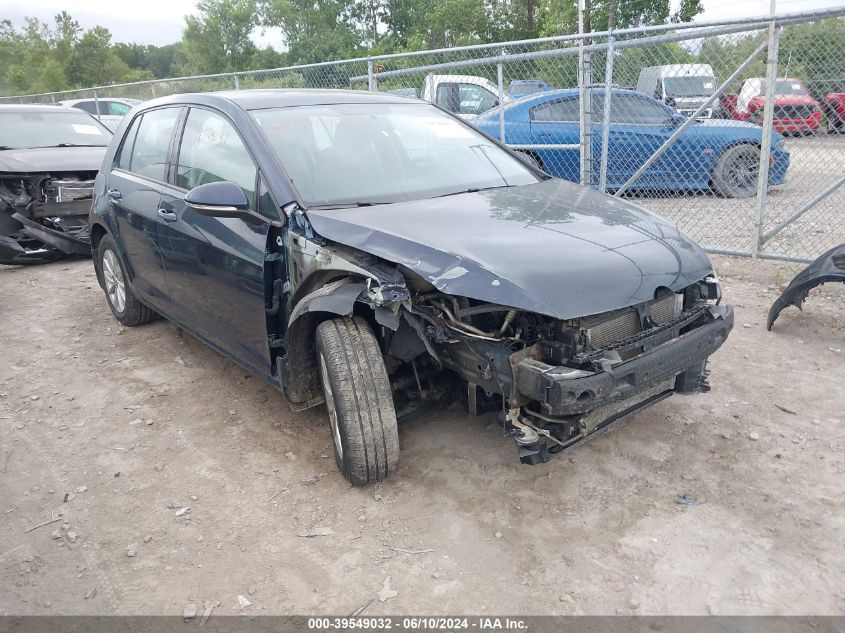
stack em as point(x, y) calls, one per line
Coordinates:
point(794, 109)
point(834, 110)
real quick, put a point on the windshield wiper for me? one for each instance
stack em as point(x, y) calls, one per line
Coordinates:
point(345, 205)
point(5, 147)
point(473, 190)
point(67, 145)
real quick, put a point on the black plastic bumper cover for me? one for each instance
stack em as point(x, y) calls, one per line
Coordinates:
point(65, 242)
point(830, 266)
point(560, 395)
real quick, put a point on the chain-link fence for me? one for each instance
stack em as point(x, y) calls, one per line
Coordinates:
point(691, 120)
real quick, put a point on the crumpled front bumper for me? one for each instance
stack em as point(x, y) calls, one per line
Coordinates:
point(560, 395)
point(829, 266)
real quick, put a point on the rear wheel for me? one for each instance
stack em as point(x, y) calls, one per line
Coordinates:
point(123, 303)
point(736, 171)
point(358, 400)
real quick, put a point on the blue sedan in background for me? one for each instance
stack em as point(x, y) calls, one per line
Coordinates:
point(714, 155)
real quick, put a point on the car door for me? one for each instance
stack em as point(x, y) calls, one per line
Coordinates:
point(556, 123)
point(639, 125)
point(135, 185)
point(215, 266)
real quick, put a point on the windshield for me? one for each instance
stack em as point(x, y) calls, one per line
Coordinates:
point(689, 86)
point(787, 87)
point(347, 154)
point(42, 128)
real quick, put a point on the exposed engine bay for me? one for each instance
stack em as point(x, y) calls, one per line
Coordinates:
point(44, 216)
point(508, 359)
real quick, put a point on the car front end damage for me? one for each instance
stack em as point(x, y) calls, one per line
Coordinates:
point(558, 382)
point(555, 382)
point(44, 216)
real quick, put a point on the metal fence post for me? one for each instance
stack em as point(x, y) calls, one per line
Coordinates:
point(500, 78)
point(768, 119)
point(237, 82)
point(605, 129)
point(371, 80)
point(96, 103)
point(585, 111)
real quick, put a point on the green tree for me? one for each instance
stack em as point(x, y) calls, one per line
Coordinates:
point(315, 30)
point(218, 38)
point(93, 62)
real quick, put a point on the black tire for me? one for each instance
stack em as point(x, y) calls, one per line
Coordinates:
point(132, 312)
point(736, 171)
point(358, 399)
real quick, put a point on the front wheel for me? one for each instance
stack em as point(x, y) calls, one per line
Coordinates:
point(736, 171)
point(358, 400)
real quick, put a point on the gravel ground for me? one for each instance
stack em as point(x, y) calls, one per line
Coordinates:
point(815, 164)
point(175, 478)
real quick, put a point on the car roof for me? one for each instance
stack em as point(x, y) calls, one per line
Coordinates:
point(674, 69)
point(33, 107)
point(92, 99)
point(551, 95)
point(280, 98)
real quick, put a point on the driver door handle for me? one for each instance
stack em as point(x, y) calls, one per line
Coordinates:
point(167, 216)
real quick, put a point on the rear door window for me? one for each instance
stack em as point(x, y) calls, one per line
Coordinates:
point(565, 110)
point(631, 109)
point(149, 153)
point(124, 159)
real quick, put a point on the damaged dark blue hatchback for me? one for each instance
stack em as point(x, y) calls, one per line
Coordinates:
point(374, 253)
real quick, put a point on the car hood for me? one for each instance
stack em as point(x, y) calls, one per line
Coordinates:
point(51, 159)
point(553, 248)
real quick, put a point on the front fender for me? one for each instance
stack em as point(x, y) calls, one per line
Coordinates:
point(297, 368)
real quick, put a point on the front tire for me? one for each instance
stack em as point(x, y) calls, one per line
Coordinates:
point(358, 399)
point(736, 171)
point(123, 303)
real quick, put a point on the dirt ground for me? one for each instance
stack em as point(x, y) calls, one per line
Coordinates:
point(115, 431)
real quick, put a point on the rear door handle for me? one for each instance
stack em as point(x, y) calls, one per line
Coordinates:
point(114, 194)
point(167, 216)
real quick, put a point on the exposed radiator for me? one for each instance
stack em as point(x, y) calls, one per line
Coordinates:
point(625, 324)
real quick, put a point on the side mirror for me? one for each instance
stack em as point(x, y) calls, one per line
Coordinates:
point(218, 199)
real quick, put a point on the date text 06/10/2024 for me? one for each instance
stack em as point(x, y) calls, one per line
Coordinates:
point(417, 624)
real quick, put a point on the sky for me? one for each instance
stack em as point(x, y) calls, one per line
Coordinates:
point(160, 21)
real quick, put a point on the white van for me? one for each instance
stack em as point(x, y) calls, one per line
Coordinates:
point(683, 86)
